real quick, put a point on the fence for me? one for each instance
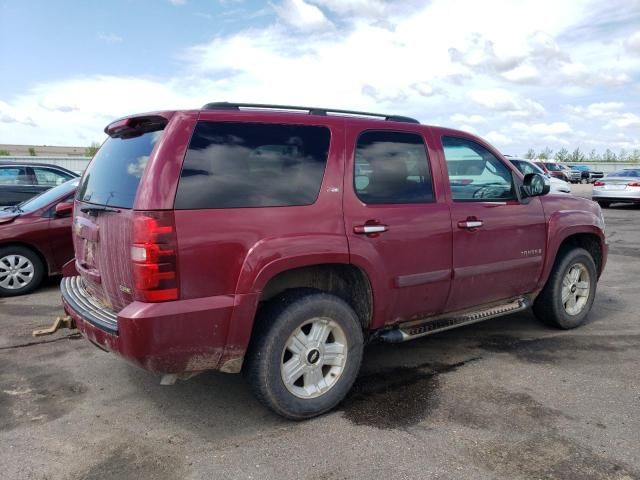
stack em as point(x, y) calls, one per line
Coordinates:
point(76, 164)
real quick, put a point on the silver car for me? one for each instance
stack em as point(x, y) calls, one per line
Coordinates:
point(525, 166)
point(622, 186)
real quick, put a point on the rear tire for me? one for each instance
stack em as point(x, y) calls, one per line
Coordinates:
point(21, 271)
point(568, 295)
point(305, 353)
point(604, 204)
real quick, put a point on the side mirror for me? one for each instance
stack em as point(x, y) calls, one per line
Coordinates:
point(64, 209)
point(534, 185)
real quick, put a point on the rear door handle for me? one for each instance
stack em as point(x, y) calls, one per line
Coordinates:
point(368, 229)
point(470, 223)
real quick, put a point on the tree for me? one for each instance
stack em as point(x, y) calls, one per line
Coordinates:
point(594, 156)
point(562, 155)
point(545, 154)
point(577, 156)
point(623, 155)
point(608, 156)
point(92, 149)
point(634, 156)
point(32, 152)
point(4, 153)
point(531, 154)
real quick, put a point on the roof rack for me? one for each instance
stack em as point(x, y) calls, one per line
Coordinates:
point(311, 110)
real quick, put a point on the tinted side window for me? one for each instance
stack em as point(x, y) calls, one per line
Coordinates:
point(46, 176)
point(232, 165)
point(474, 173)
point(392, 167)
point(14, 176)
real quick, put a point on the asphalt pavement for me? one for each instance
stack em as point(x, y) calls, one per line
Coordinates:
point(505, 399)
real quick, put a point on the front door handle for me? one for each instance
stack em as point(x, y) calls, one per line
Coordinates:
point(369, 229)
point(470, 223)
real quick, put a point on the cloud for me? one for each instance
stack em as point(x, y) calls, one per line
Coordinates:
point(472, 119)
point(553, 128)
point(625, 120)
point(597, 110)
point(177, 2)
point(301, 15)
point(498, 138)
point(502, 100)
point(406, 58)
point(633, 43)
point(110, 38)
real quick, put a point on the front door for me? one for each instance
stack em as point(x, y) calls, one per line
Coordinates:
point(398, 228)
point(498, 242)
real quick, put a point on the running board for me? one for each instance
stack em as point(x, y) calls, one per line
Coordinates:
point(422, 328)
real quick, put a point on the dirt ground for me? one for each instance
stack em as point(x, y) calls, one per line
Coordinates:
point(505, 399)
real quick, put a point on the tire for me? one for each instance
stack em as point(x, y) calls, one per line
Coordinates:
point(274, 333)
point(549, 306)
point(604, 204)
point(584, 181)
point(21, 271)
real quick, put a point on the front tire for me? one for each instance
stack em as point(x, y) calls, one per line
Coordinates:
point(21, 271)
point(568, 295)
point(305, 353)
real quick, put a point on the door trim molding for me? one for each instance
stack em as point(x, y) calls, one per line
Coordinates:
point(495, 267)
point(416, 279)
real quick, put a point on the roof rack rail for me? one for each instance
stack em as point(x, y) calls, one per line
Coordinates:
point(311, 110)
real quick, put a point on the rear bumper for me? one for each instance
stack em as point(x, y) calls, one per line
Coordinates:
point(170, 337)
point(629, 196)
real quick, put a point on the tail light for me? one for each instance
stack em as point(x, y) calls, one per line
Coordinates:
point(598, 184)
point(634, 184)
point(154, 253)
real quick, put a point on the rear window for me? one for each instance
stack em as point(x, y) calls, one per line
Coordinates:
point(233, 165)
point(113, 175)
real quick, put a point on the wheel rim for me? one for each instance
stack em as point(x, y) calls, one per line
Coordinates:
point(16, 271)
point(314, 358)
point(576, 288)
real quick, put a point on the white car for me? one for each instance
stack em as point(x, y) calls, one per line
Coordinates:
point(525, 166)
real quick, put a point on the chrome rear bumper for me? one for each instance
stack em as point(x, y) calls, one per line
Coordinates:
point(84, 305)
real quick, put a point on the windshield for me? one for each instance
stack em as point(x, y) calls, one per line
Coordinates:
point(626, 173)
point(49, 196)
point(113, 175)
point(554, 167)
point(527, 167)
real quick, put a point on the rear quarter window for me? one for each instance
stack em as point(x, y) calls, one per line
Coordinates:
point(234, 165)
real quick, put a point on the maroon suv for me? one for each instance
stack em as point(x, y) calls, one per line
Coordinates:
point(278, 240)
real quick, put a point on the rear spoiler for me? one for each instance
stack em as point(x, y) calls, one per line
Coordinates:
point(135, 126)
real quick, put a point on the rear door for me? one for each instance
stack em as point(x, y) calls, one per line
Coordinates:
point(498, 242)
point(104, 210)
point(17, 184)
point(397, 229)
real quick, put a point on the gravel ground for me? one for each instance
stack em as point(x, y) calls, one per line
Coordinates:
point(505, 399)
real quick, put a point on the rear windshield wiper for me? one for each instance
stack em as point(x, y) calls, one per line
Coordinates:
point(96, 210)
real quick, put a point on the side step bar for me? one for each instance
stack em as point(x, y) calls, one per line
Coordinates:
point(424, 327)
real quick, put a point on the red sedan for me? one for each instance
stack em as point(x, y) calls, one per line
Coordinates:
point(35, 239)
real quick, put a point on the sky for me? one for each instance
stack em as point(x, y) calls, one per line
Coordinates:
point(520, 73)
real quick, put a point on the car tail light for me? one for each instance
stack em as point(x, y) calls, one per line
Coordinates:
point(634, 184)
point(598, 184)
point(154, 254)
